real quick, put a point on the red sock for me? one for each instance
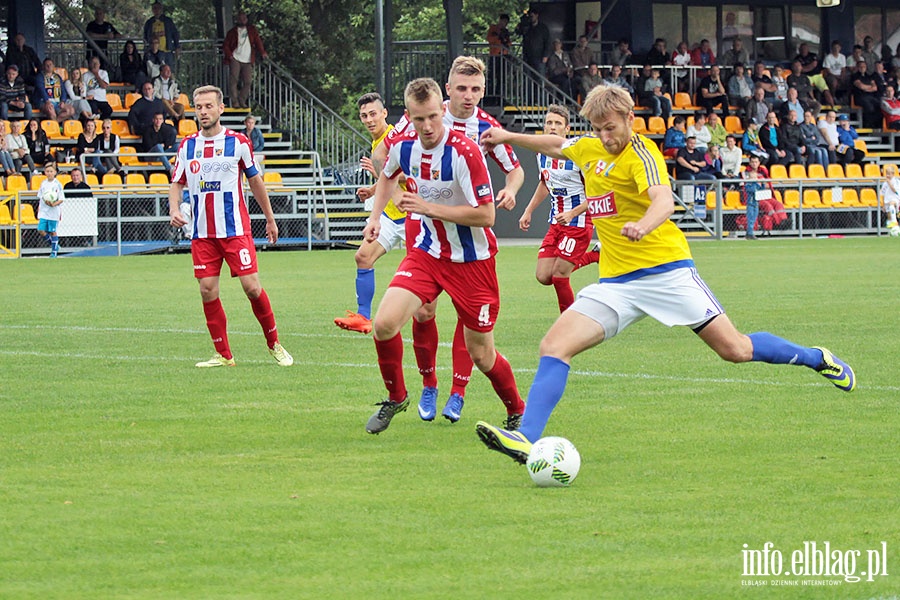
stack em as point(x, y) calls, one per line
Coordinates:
point(217, 325)
point(425, 345)
point(564, 294)
point(588, 258)
point(263, 311)
point(504, 383)
point(462, 362)
point(390, 361)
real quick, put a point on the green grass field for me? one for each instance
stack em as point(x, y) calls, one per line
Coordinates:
point(127, 473)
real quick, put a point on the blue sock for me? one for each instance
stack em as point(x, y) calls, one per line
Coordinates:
point(546, 390)
point(365, 291)
point(775, 350)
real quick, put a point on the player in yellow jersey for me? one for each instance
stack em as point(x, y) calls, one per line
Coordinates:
point(646, 267)
point(373, 114)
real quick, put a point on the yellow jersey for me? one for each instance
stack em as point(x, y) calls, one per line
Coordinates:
point(616, 189)
point(390, 211)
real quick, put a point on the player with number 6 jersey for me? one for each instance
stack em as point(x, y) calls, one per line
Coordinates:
point(210, 164)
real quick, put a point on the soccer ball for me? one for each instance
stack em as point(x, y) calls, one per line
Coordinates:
point(50, 197)
point(553, 462)
point(894, 229)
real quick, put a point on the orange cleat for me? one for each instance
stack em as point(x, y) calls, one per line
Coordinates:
point(354, 322)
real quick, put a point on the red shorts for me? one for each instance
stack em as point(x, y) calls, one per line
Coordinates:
point(566, 242)
point(208, 254)
point(472, 286)
point(413, 227)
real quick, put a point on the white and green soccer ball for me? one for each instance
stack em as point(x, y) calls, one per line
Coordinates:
point(553, 462)
point(894, 231)
point(50, 197)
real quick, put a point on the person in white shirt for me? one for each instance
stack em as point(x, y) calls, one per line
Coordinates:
point(700, 131)
point(166, 89)
point(834, 68)
point(890, 194)
point(828, 126)
point(96, 80)
point(242, 48)
point(732, 157)
point(50, 196)
point(17, 146)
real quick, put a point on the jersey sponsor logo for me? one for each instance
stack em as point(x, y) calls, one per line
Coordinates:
point(545, 175)
point(560, 191)
point(483, 190)
point(602, 206)
point(195, 166)
point(216, 166)
point(411, 185)
point(436, 193)
point(403, 274)
point(210, 186)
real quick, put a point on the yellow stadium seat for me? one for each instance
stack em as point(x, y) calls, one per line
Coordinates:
point(640, 125)
point(792, 198)
point(188, 126)
point(120, 128)
point(796, 171)
point(91, 180)
point(51, 128)
point(158, 179)
point(16, 183)
point(733, 124)
point(113, 179)
point(656, 125)
point(860, 144)
point(62, 72)
point(854, 171)
point(868, 197)
point(871, 171)
point(27, 215)
point(835, 171)
point(711, 199)
point(683, 101)
point(778, 172)
point(272, 177)
point(5, 217)
point(63, 179)
point(815, 171)
point(127, 155)
point(733, 200)
point(115, 101)
point(36, 181)
point(135, 179)
point(72, 129)
point(185, 101)
point(811, 199)
point(131, 99)
point(851, 198)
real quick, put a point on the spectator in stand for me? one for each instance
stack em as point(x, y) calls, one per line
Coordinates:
point(740, 88)
point(160, 138)
point(242, 48)
point(658, 55)
point(6, 158)
point(535, 42)
point(76, 187)
point(714, 161)
point(154, 59)
point(12, 94)
point(654, 90)
point(835, 70)
point(751, 144)
point(890, 108)
point(96, 80)
point(76, 92)
point(868, 53)
point(865, 92)
point(717, 132)
point(754, 172)
point(712, 92)
point(38, 143)
point(559, 69)
point(815, 142)
point(499, 46)
point(737, 54)
point(132, 66)
point(675, 137)
point(17, 146)
point(809, 66)
point(681, 57)
point(799, 81)
point(582, 56)
point(792, 137)
point(107, 143)
point(703, 56)
point(895, 62)
point(828, 128)
point(762, 79)
point(87, 144)
point(50, 93)
point(847, 151)
point(591, 80)
point(255, 136)
point(880, 77)
point(645, 73)
point(690, 162)
point(162, 28)
point(732, 157)
point(166, 89)
point(794, 103)
point(773, 143)
point(140, 115)
point(25, 58)
point(101, 32)
point(758, 107)
point(699, 131)
point(621, 54)
point(614, 77)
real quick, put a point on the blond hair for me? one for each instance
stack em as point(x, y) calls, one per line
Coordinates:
point(890, 171)
point(420, 91)
point(559, 109)
point(606, 99)
point(210, 89)
point(467, 65)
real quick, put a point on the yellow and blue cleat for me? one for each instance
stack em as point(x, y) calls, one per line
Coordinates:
point(511, 443)
point(836, 371)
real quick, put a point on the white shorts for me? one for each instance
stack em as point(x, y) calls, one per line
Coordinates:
point(392, 233)
point(677, 297)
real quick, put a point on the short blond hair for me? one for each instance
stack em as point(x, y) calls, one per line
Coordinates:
point(420, 91)
point(210, 89)
point(467, 65)
point(890, 171)
point(606, 99)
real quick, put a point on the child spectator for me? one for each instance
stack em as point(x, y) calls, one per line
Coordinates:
point(890, 194)
point(750, 143)
point(675, 138)
point(50, 196)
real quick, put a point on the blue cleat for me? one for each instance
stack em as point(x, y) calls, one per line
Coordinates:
point(428, 403)
point(453, 408)
point(836, 371)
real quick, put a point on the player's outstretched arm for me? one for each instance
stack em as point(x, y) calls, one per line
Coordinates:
point(540, 193)
point(661, 208)
point(549, 145)
point(175, 194)
point(258, 187)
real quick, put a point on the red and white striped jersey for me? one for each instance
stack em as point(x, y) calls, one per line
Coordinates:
point(211, 168)
point(566, 184)
point(453, 173)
